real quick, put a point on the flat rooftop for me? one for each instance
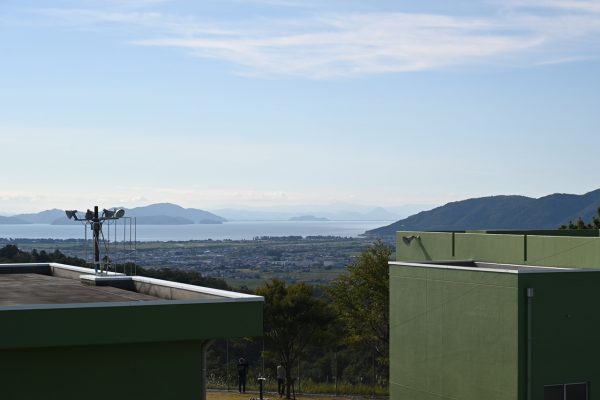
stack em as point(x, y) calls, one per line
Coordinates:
point(22, 285)
point(53, 304)
point(491, 267)
point(18, 289)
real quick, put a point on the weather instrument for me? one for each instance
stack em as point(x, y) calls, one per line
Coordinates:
point(118, 249)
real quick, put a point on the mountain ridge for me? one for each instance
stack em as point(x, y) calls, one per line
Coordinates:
point(153, 214)
point(500, 212)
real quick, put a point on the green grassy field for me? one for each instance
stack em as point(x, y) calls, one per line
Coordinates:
point(231, 395)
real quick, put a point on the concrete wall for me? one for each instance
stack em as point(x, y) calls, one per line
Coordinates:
point(453, 334)
point(150, 371)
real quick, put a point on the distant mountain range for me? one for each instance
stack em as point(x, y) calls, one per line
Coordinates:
point(500, 212)
point(172, 214)
point(374, 214)
point(155, 214)
point(12, 220)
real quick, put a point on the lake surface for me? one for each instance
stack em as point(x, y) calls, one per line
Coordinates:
point(236, 230)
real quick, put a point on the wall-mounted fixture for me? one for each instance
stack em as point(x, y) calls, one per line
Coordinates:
point(408, 239)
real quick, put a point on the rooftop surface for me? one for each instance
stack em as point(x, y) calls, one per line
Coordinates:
point(16, 289)
point(492, 267)
point(53, 304)
point(22, 285)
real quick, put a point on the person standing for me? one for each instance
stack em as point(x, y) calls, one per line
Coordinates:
point(280, 380)
point(242, 369)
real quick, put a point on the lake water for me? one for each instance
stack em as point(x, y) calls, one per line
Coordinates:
point(236, 230)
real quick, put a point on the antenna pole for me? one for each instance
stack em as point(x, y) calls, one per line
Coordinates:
point(96, 230)
point(95, 221)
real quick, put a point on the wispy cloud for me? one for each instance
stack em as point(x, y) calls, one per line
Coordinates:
point(570, 5)
point(359, 44)
point(334, 45)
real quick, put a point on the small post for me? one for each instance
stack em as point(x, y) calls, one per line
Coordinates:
point(336, 372)
point(261, 381)
point(374, 375)
point(96, 230)
point(227, 363)
point(298, 376)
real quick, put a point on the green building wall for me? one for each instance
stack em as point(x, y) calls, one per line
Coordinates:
point(463, 334)
point(565, 326)
point(544, 248)
point(152, 371)
point(152, 350)
point(140, 350)
point(117, 323)
point(453, 334)
point(149, 350)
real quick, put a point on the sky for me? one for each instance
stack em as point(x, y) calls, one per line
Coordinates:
point(272, 103)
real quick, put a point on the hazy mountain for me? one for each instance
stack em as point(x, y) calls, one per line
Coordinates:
point(374, 214)
point(234, 214)
point(12, 221)
point(43, 217)
point(154, 214)
point(501, 212)
point(163, 220)
point(407, 210)
point(173, 210)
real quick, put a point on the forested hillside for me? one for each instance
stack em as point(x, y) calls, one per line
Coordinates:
point(500, 212)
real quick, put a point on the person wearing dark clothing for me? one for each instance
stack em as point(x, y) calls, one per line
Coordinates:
point(280, 380)
point(242, 369)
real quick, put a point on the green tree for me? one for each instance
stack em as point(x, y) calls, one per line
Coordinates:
point(294, 318)
point(581, 224)
point(361, 298)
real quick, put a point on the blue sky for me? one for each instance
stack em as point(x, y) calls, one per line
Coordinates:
point(285, 102)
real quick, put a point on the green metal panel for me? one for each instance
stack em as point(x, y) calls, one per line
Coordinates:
point(429, 246)
point(566, 323)
point(453, 334)
point(532, 249)
point(151, 371)
point(460, 246)
point(564, 251)
point(490, 248)
point(545, 232)
point(89, 324)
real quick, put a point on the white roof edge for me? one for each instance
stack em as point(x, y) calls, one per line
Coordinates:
point(83, 270)
point(26, 264)
point(199, 289)
point(541, 268)
point(536, 266)
point(50, 265)
point(161, 282)
point(456, 267)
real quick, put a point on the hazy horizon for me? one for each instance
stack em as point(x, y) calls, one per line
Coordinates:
point(283, 209)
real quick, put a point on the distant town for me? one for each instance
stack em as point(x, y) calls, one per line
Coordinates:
point(312, 259)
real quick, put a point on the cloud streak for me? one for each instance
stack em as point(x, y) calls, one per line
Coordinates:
point(358, 45)
point(329, 46)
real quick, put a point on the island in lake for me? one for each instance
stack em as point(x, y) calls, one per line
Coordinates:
point(308, 218)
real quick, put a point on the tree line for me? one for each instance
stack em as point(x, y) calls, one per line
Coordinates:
point(336, 334)
point(580, 224)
